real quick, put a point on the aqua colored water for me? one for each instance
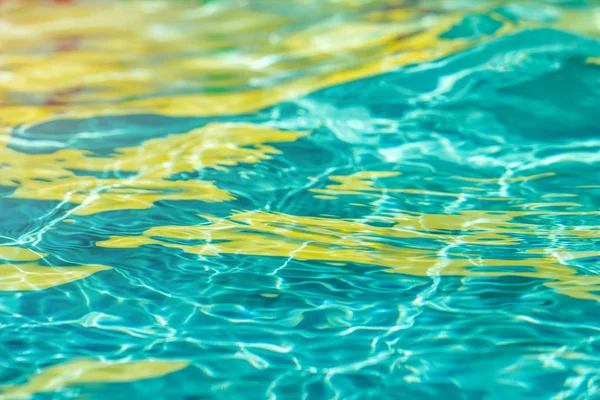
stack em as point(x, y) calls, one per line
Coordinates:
point(300, 200)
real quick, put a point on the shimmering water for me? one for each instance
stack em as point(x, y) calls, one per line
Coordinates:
point(300, 200)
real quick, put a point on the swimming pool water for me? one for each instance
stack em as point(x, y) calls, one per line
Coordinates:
point(300, 200)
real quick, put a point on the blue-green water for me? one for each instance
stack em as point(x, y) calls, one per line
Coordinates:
point(427, 227)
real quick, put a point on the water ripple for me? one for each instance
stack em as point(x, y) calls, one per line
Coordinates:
point(316, 199)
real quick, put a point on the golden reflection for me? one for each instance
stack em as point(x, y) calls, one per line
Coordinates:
point(364, 184)
point(87, 69)
point(24, 274)
point(89, 371)
point(550, 195)
point(14, 253)
point(510, 179)
point(341, 240)
point(68, 174)
point(72, 62)
point(90, 68)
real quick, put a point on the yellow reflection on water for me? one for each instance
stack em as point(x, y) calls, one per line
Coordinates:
point(342, 240)
point(177, 58)
point(29, 276)
point(67, 175)
point(509, 179)
point(87, 371)
point(92, 72)
point(364, 183)
point(14, 253)
point(71, 62)
point(25, 274)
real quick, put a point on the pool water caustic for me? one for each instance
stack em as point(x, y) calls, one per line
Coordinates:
point(310, 199)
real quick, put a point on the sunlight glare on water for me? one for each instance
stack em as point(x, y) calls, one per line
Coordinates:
point(350, 199)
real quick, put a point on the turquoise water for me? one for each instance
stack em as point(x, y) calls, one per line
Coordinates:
point(412, 212)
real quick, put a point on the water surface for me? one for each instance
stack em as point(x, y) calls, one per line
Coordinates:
point(300, 200)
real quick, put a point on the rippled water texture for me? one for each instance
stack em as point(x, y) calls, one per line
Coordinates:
point(300, 200)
